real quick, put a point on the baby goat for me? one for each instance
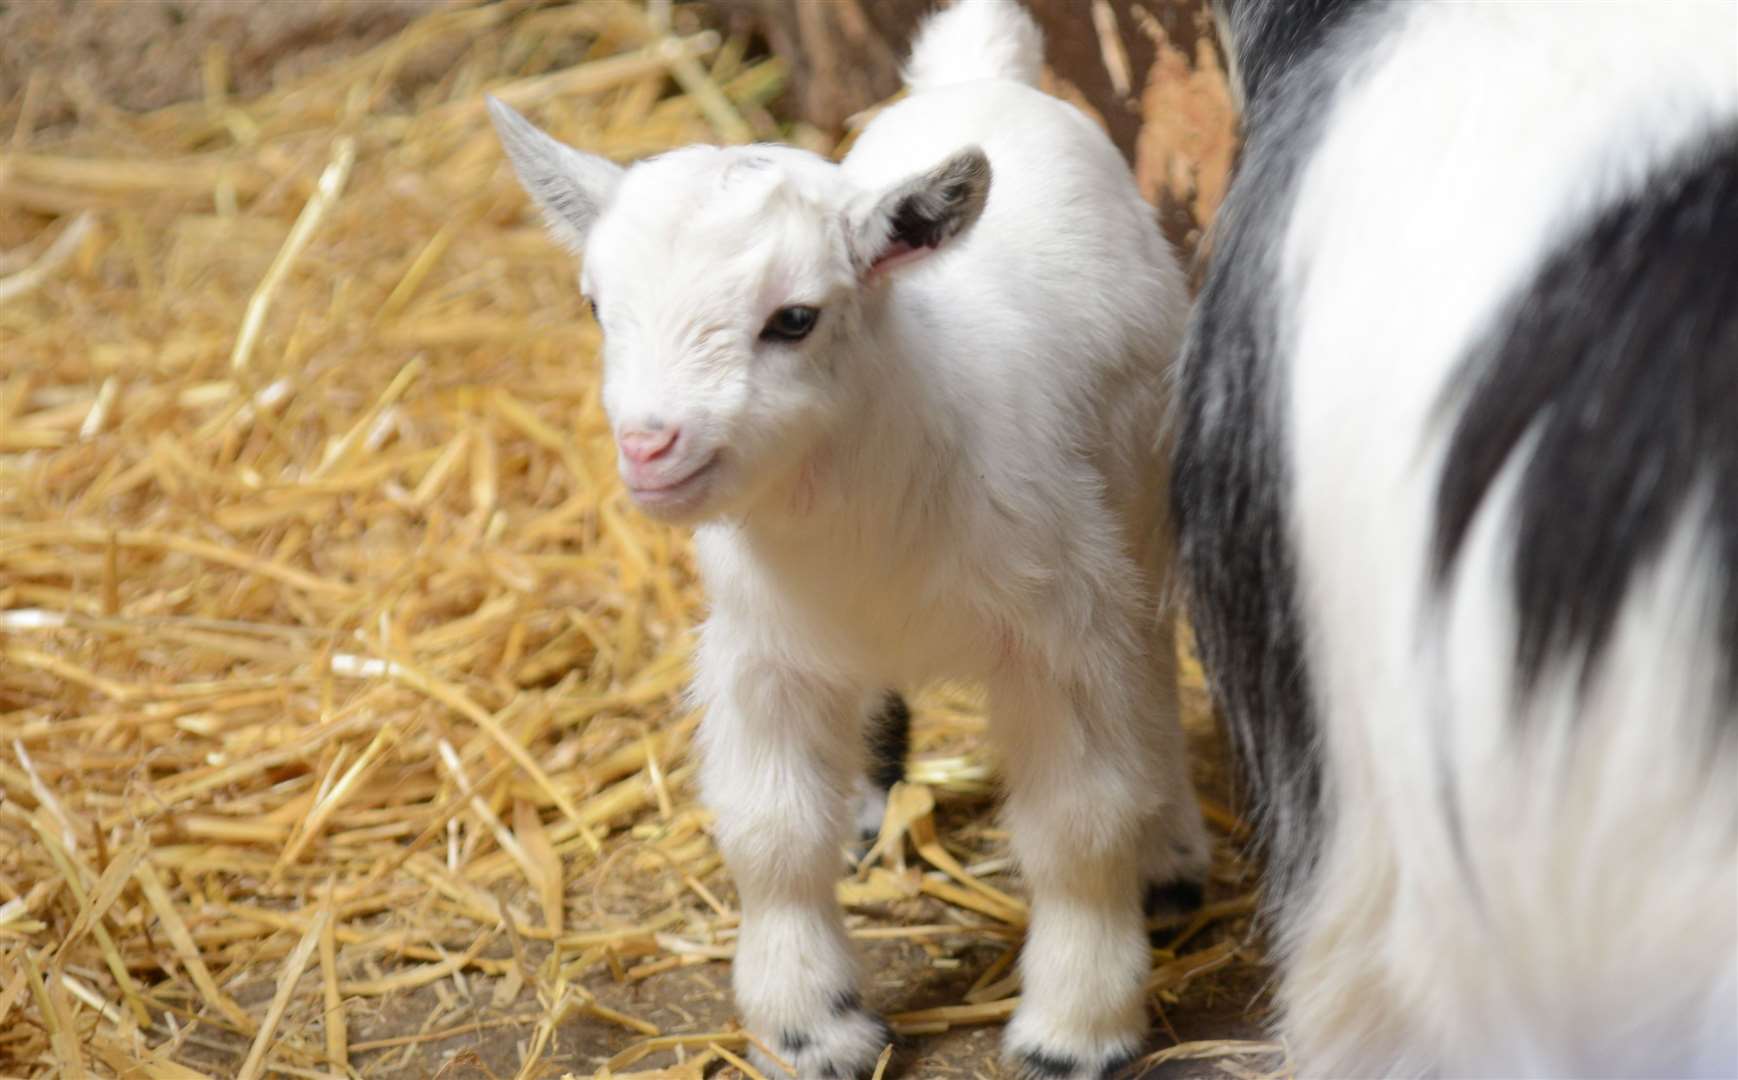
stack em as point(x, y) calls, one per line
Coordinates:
point(913, 404)
point(1457, 487)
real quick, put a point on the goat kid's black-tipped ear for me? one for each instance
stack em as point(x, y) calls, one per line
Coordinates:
point(570, 187)
point(919, 215)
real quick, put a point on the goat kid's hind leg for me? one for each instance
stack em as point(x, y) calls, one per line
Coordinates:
point(779, 757)
point(887, 731)
point(1176, 848)
point(1082, 788)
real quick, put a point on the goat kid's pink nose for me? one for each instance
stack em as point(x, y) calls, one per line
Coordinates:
point(640, 445)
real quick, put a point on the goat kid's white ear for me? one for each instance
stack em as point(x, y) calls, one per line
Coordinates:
point(919, 215)
point(570, 187)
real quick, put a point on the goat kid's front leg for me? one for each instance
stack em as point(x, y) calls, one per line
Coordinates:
point(1084, 788)
point(780, 755)
point(1176, 847)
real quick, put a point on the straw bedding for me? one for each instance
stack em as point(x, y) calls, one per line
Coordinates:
point(340, 718)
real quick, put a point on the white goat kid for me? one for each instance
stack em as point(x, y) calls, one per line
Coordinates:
point(917, 416)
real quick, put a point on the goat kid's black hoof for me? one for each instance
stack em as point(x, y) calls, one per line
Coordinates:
point(1169, 901)
point(844, 1045)
point(1048, 1065)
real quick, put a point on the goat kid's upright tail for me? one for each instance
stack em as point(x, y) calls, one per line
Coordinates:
point(976, 39)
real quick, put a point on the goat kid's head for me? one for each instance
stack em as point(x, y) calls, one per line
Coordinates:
point(728, 283)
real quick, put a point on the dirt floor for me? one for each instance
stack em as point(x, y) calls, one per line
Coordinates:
point(74, 59)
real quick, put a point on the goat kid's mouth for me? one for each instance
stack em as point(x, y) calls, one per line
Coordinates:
point(674, 494)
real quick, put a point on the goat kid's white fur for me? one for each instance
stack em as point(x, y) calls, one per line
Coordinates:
point(957, 473)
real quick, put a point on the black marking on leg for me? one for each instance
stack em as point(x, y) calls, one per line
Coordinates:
point(1172, 897)
point(1116, 1066)
point(846, 1002)
point(1037, 1063)
point(889, 736)
point(793, 1042)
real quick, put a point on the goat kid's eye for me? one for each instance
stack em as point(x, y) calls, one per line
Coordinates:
point(596, 315)
point(790, 323)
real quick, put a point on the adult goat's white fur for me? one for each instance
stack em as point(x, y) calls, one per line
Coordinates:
point(1457, 469)
point(954, 470)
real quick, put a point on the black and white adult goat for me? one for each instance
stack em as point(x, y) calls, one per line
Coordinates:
point(1458, 487)
point(915, 413)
